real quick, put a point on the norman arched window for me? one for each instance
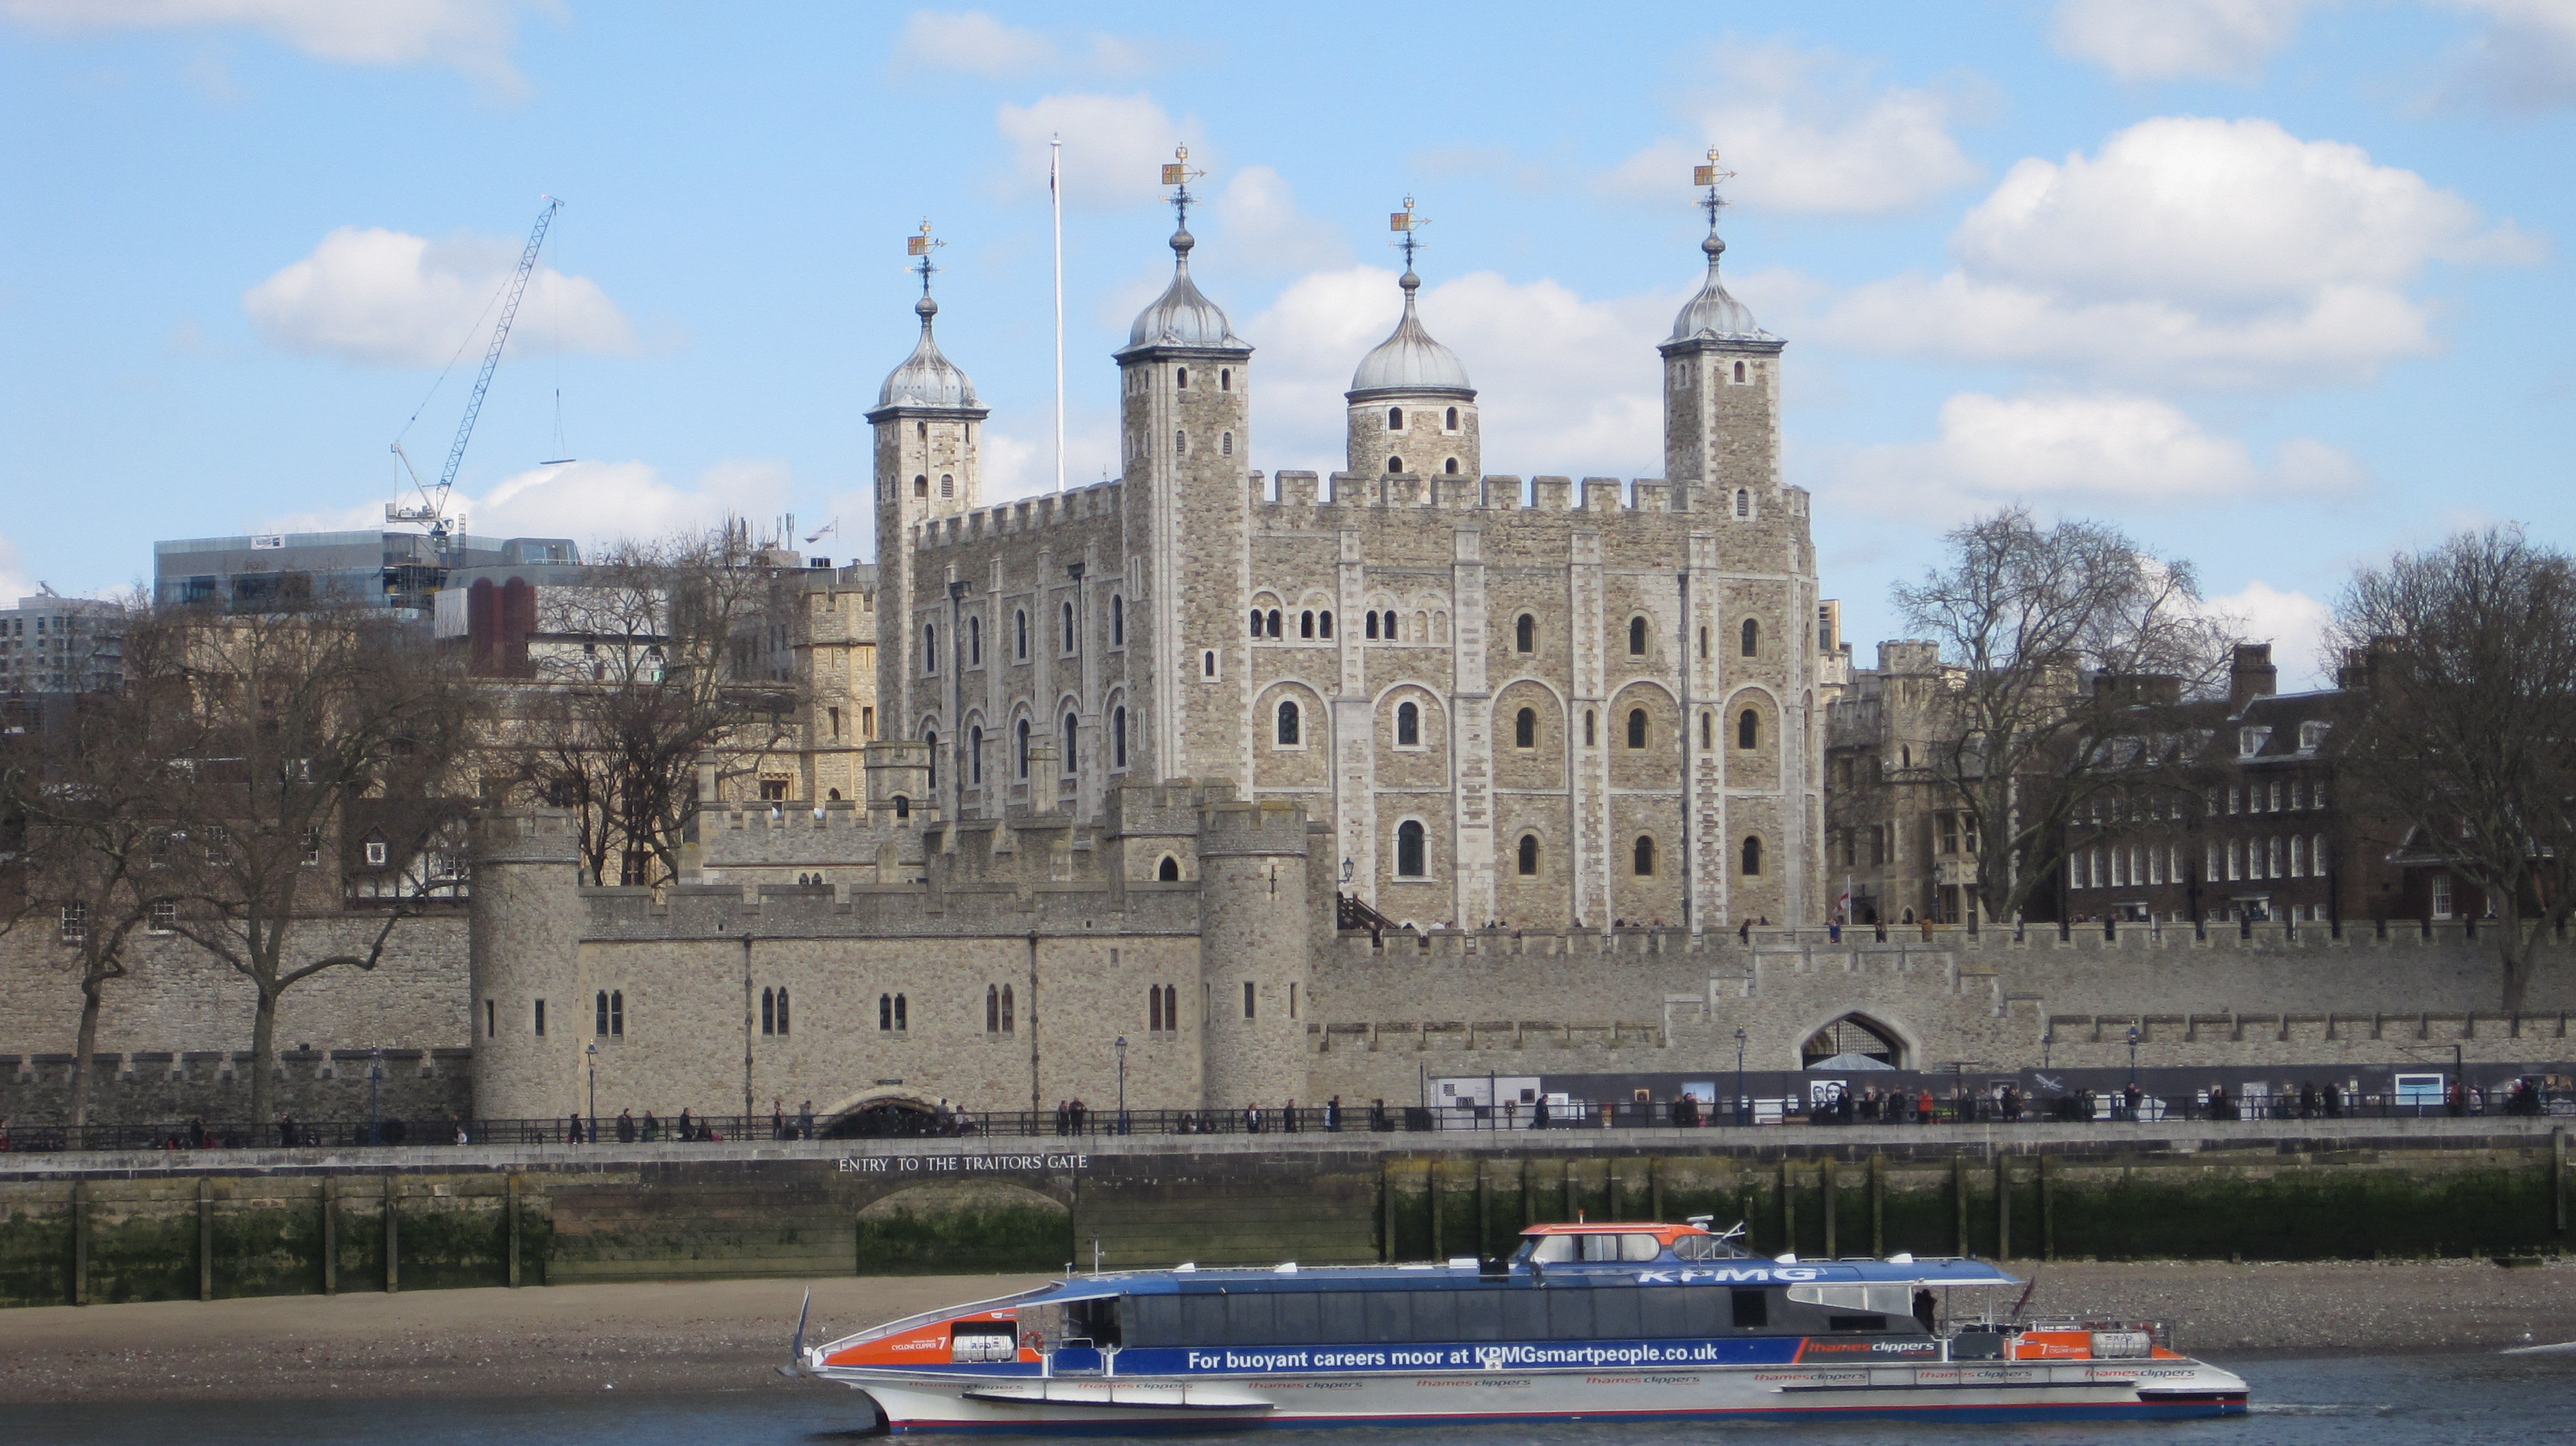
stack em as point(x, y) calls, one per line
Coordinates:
point(1752, 856)
point(1390, 625)
point(1395, 464)
point(1525, 728)
point(1274, 622)
point(1450, 466)
point(992, 1009)
point(1024, 747)
point(1395, 419)
point(1636, 727)
point(1225, 379)
point(1642, 857)
point(782, 1009)
point(1451, 419)
point(1117, 621)
point(921, 484)
point(902, 806)
point(769, 1011)
point(974, 642)
point(1748, 729)
point(930, 743)
point(975, 754)
point(1225, 444)
point(1408, 725)
point(1256, 622)
point(1154, 1008)
point(1529, 856)
point(1525, 634)
point(1068, 638)
point(947, 484)
point(930, 647)
point(1750, 642)
point(1372, 623)
point(1010, 1013)
point(1118, 737)
point(1408, 850)
point(1287, 734)
point(1324, 622)
point(601, 1026)
point(1072, 730)
point(1306, 624)
point(1169, 871)
point(1739, 371)
point(1636, 637)
point(1181, 378)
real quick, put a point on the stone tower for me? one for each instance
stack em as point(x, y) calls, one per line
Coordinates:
point(927, 422)
point(1184, 404)
point(1255, 923)
point(1721, 401)
point(530, 1018)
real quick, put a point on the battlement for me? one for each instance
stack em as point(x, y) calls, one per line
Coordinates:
point(922, 910)
point(523, 836)
point(1026, 515)
point(1168, 810)
point(1494, 492)
point(1271, 827)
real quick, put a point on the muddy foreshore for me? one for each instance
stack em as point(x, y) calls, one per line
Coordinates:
point(730, 1335)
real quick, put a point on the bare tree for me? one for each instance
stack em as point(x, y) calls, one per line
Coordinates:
point(2028, 620)
point(87, 792)
point(2463, 673)
point(649, 670)
point(318, 722)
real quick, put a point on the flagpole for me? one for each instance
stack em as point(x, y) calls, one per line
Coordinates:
point(1055, 201)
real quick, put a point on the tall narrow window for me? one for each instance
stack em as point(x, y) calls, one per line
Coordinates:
point(992, 1009)
point(1589, 740)
point(974, 642)
point(1117, 621)
point(541, 1018)
point(1248, 999)
point(902, 806)
point(1324, 622)
point(1748, 729)
point(1180, 444)
point(1154, 1008)
point(1644, 856)
point(1306, 624)
point(975, 755)
point(1070, 638)
point(921, 485)
point(1225, 379)
point(1288, 725)
point(947, 484)
point(1743, 502)
point(1408, 850)
point(885, 1012)
point(600, 1025)
point(1451, 420)
point(768, 1011)
point(1752, 856)
point(1225, 444)
point(1181, 378)
point(1395, 419)
point(1752, 638)
point(1390, 625)
point(1408, 725)
point(1024, 747)
point(1739, 371)
point(1072, 730)
point(930, 648)
point(1118, 736)
point(1020, 634)
point(1525, 728)
point(1707, 727)
point(931, 742)
point(1273, 621)
point(1010, 1015)
point(1636, 637)
point(1372, 623)
point(782, 1009)
point(1529, 855)
point(1525, 634)
point(1636, 727)
point(1256, 622)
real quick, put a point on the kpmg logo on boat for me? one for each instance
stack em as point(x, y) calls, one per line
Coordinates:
point(960, 1164)
point(1749, 1275)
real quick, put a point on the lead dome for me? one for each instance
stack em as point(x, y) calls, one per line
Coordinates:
point(1714, 315)
point(1410, 361)
point(927, 378)
point(1182, 315)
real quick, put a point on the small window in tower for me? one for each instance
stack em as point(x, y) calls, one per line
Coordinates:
point(1707, 729)
point(1703, 642)
point(1409, 851)
point(1739, 371)
point(1743, 503)
point(1225, 379)
point(1395, 464)
point(1589, 719)
point(1072, 731)
point(1118, 737)
point(975, 754)
point(1181, 378)
point(1751, 643)
point(1395, 419)
point(1306, 625)
point(1207, 664)
point(1452, 420)
point(1273, 621)
point(1529, 855)
point(1287, 725)
point(1450, 467)
point(921, 485)
point(1525, 634)
point(1324, 623)
point(1644, 859)
point(1390, 625)
point(1068, 637)
point(1256, 622)
point(1169, 871)
point(1372, 622)
point(1180, 444)
point(1408, 726)
point(1636, 727)
point(1020, 634)
point(1117, 621)
point(1636, 637)
point(947, 484)
point(1752, 856)
point(974, 652)
point(1024, 747)
point(1748, 729)
point(1225, 444)
point(1248, 998)
point(1525, 728)
point(930, 647)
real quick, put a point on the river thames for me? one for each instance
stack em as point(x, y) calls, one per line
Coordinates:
point(2423, 1400)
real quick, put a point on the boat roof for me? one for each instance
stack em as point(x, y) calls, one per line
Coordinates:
point(1468, 1275)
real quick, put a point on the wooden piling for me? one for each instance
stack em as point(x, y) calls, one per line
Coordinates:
point(1788, 1211)
point(512, 1206)
point(393, 1235)
point(205, 1238)
point(2003, 1207)
point(330, 1235)
point(1878, 1206)
point(1959, 1197)
point(1832, 1204)
point(80, 1242)
point(2047, 1207)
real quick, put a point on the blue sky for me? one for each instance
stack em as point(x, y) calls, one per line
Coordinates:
point(2278, 285)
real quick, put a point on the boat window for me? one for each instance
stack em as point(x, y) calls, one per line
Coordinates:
point(1155, 1320)
point(1342, 1316)
point(1525, 1314)
point(1094, 1320)
point(1250, 1319)
point(1704, 1247)
point(1639, 1247)
point(1569, 1314)
point(1883, 1299)
point(1752, 1309)
point(1552, 1249)
point(1390, 1315)
point(1435, 1315)
point(1297, 1316)
point(1480, 1315)
point(1614, 1313)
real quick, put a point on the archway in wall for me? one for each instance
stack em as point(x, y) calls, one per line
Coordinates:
point(883, 1112)
point(1856, 1035)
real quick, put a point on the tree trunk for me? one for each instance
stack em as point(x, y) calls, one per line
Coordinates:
point(263, 1060)
point(85, 1049)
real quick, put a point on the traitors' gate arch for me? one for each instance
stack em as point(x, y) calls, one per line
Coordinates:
point(1857, 1033)
point(879, 1111)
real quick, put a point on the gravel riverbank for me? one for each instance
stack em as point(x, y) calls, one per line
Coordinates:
point(728, 1335)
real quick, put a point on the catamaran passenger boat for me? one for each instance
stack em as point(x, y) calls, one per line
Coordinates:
point(1584, 1322)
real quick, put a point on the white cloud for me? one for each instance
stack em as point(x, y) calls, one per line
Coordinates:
point(2524, 59)
point(1264, 231)
point(1806, 131)
point(1114, 145)
point(2102, 450)
point(975, 43)
point(14, 582)
point(2175, 39)
point(2193, 251)
point(592, 503)
point(472, 35)
point(386, 298)
point(2292, 622)
point(1566, 384)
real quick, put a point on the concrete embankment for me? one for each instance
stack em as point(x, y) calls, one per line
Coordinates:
point(223, 1224)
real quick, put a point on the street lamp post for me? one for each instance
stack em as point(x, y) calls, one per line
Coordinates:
point(1743, 1109)
point(375, 1096)
point(593, 1053)
point(2046, 1041)
point(1122, 1084)
point(2133, 1072)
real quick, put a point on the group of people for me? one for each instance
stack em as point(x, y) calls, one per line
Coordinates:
point(629, 1129)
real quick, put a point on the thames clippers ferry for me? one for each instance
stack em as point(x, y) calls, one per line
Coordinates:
point(1583, 1322)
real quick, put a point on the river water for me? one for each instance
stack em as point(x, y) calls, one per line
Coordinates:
point(2456, 1400)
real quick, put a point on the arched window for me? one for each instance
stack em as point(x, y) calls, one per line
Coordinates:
point(1068, 638)
point(1010, 1019)
point(1636, 727)
point(1743, 502)
point(1408, 725)
point(1644, 856)
point(1525, 634)
point(1024, 747)
point(1748, 729)
point(1225, 379)
point(1306, 624)
point(1154, 1008)
point(1450, 466)
point(902, 806)
point(1451, 419)
point(1274, 622)
point(1529, 856)
point(1072, 730)
point(768, 1011)
point(1752, 856)
point(617, 1003)
point(1739, 371)
point(1256, 622)
point(1589, 739)
point(921, 485)
point(601, 1025)
point(1703, 642)
point(930, 647)
point(1372, 622)
point(1390, 625)
point(1117, 621)
point(1181, 378)
point(1525, 728)
point(992, 1009)
point(1118, 737)
point(975, 642)
point(1751, 640)
point(1395, 419)
point(1408, 850)
point(1395, 464)
point(885, 1012)
point(1225, 444)
point(1020, 634)
point(947, 484)
point(1324, 622)
point(930, 741)
point(782, 1009)
point(975, 754)
point(1707, 729)
point(1180, 444)
point(1636, 637)
point(1287, 725)
point(1171, 1008)
point(1169, 871)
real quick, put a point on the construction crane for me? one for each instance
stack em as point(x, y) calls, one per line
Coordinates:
point(433, 500)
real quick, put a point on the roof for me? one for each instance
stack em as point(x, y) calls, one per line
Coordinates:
point(1181, 316)
point(1411, 360)
point(927, 378)
point(1714, 314)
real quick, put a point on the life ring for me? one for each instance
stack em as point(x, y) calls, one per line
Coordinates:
point(1033, 1341)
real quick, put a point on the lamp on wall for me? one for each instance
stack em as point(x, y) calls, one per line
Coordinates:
point(1122, 1084)
point(1346, 872)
